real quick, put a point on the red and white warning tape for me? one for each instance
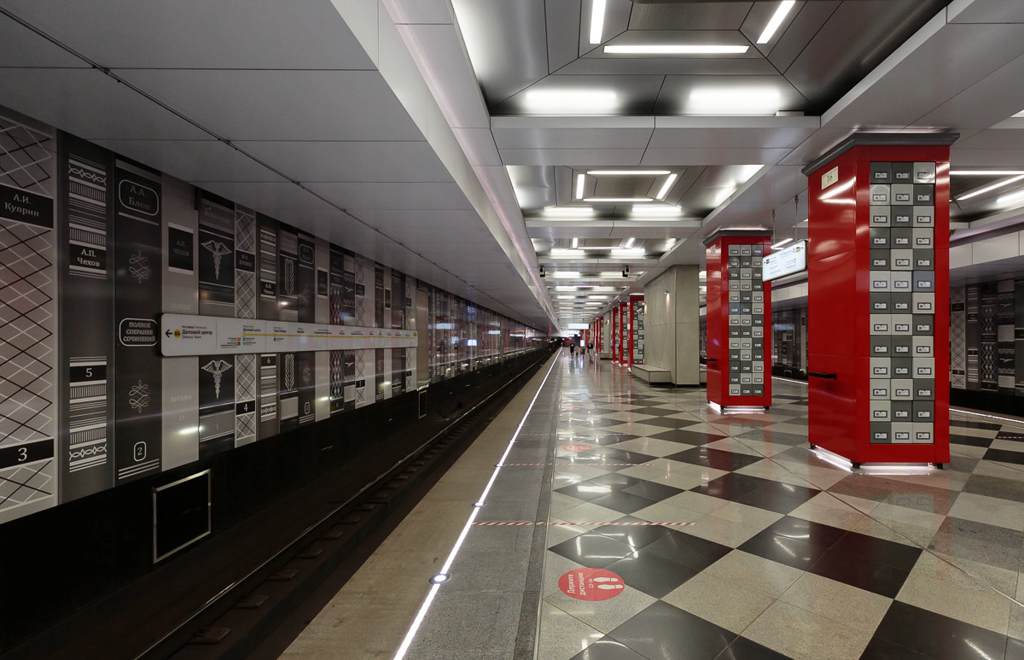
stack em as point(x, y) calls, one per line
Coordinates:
point(590, 523)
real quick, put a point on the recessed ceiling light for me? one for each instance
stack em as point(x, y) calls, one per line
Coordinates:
point(567, 274)
point(566, 297)
point(989, 188)
point(617, 200)
point(775, 21)
point(579, 185)
point(667, 186)
point(734, 101)
point(598, 297)
point(596, 20)
point(675, 49)
point(627, 172)
point(628, 252)
point(575, 242)
point(563, 253)
point(568, 211)
point(571, 101)
point(776, 246)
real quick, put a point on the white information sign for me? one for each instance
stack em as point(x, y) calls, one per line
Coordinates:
point(183, 334)
point(787, 261)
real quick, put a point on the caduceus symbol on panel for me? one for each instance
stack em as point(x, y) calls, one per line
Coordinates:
point(217, 369)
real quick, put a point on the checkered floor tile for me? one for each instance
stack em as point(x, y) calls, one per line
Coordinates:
point(725, 537)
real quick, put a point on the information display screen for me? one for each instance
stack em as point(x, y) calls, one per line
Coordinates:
point(787, 261)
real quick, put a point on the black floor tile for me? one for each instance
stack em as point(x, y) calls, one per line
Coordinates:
point(794, 542)
point(690, 551)
point(744, 649)
point(715, 458)
point(754, 491)
point(607, 649)
point(651, 574)
point(662, 631)
point(592, 550)
point(988, 426)
point(1005, 456)
point(689, 437)
point(612, 457)
point(937, 636)
point(623, 502)
point(1007, 489)
point(654, 492)
point(656, 411)
point(971, 440)
point(880, 649)
point(606, 438)
point(867, 563)
point(635, 537)
point(777, 437)
point(666, 422)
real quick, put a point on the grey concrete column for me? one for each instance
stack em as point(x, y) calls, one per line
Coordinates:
point(672, 324)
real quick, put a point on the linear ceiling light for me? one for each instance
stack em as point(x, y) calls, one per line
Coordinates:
point(575, 242)
point(667, 186)
point(596, 20)
point(567, 274)
point(617, 200)
point(630, 241)
point(628, 252)
point(598, 297)
point(580, 179)
point(627, 172)
point(563, 253)
point(611, 275)
point(566, 297)
point(571, 101)
point(775, 21)
point(989, 188)
point(734, 101)
point(568, 211)
point(657, 210)
point(675, 49)
point(985, 172)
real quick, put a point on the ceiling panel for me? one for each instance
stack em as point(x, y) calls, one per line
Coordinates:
point(688, 15)
point(257, 34)
point(852, 42)
point(20, 46)
point(615, 66)
point(91, 105)
point(495, 29)
point(711, 156)
point(803, 23)
point(573, 133)
point(361, 197)
point(577, 157)
point(351, 161)
point(349, 105)
point(987, 11)
point(563, 27)
point(193, 160)
point(733, 132)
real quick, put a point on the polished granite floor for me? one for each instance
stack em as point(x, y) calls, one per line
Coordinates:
point(726, 537)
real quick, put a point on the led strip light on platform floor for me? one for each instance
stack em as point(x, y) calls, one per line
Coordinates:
point(442, 577)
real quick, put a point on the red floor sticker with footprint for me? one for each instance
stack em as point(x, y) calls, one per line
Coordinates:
point(591, 584)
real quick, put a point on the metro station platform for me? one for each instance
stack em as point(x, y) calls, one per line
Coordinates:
point(627, 522)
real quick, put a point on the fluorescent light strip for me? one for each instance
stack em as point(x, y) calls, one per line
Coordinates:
point(566, 274)
point(565, 253)
point(775, 21)
point(580, 179)
point(676, 49)
point(989, 188)
point(657, 210)
point(627, 172)
point(630, 241)
point(575, 242)
point(667, 186)
point(597, 8)
point(410, 635)
point(617, 200)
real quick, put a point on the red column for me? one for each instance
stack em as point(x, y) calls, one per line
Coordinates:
point(738, 320)
point(623, 317)
point(615, 334)
point(635, 300)
point(878, 292)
